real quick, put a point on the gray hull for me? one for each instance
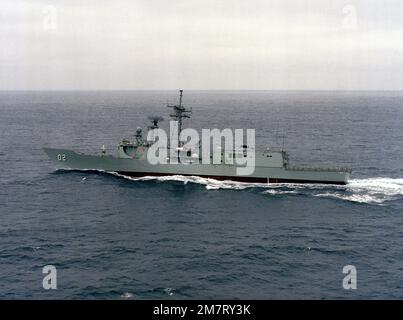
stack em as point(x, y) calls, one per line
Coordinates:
point(69, 159)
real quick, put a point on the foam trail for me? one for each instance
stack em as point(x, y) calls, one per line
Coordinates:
point(371, 190)
point(388, 186)
point(211, 184)
point(375, 190)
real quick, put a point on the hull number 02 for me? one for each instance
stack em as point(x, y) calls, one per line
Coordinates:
point(61, 157)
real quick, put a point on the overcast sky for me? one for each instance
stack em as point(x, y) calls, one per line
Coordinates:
point(201, 44)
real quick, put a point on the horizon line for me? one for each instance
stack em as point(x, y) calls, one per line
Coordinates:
point(285, 90)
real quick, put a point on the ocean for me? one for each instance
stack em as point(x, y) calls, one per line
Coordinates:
point(112, 237)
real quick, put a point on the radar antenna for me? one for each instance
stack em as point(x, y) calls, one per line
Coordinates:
point(154, 125)
point(154, 120)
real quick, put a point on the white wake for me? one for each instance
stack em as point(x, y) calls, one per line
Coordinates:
point(370, 190)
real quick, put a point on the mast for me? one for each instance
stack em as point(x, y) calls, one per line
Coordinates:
point(180, 112)
point(180, 97)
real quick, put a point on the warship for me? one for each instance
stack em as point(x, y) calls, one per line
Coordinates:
point(270, 165)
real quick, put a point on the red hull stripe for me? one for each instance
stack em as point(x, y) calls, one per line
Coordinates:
point(232, 178)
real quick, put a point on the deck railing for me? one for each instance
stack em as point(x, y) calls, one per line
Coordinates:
point(332, 169)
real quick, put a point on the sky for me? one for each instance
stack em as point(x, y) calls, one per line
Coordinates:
point(201, 45)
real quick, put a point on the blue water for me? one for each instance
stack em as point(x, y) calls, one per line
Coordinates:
point(113, 237)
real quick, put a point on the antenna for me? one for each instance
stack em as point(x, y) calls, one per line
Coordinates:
point(277, 134)
point(282, 149)
point(180, 112)
point(180, 97)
